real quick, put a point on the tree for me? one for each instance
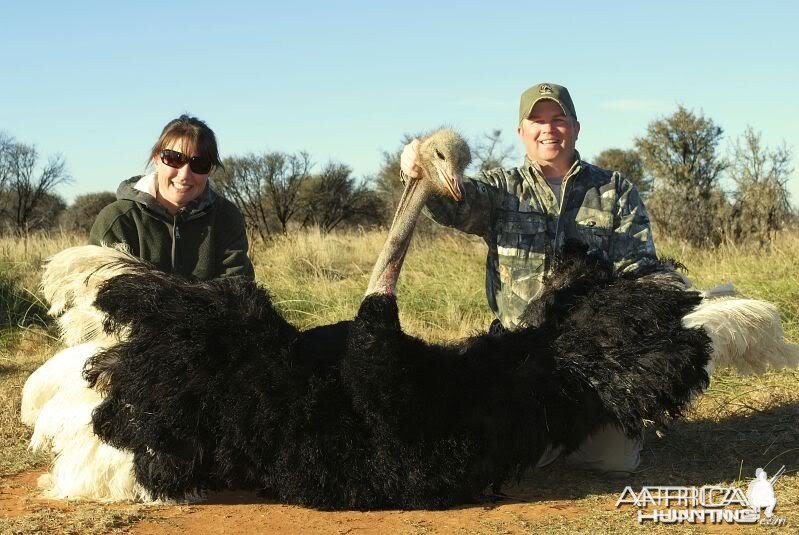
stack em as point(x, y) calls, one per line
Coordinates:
point(333, 197)
point(48, 210)
point(489, 152)
point(681, 149)
point(44, 216)
point(761, 176)
point(242, 181)
point(629, 164)
point(285, 174)
point(80, 215)
point(6, 146)
point(679, 153)
point(265, 187)
point(27, 185)
point(674, 217)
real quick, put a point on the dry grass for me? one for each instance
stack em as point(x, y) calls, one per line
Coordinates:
point(31, 349)
point(741, 423)
point(317, 280)
point(78, 519)
point(23, 258)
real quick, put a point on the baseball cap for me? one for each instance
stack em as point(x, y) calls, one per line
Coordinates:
point(555, 92)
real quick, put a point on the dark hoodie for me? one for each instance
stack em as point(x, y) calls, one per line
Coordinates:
point(205, 239)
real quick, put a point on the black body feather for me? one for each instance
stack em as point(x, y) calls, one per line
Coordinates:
point(212, 388)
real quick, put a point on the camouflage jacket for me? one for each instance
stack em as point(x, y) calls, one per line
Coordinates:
point(517, 214)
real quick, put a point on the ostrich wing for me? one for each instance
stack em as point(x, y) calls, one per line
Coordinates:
point(197, 357)
point(608, 351)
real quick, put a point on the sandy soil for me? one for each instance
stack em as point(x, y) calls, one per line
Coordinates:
point(239, 513)
point(523, 511)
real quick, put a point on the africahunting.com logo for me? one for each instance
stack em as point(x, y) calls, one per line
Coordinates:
point(716, 505)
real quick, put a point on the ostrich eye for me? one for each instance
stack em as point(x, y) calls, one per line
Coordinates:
point(440, 156)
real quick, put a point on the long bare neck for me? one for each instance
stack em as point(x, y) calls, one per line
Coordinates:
point(387, 268)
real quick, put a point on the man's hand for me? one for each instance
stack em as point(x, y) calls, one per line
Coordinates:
point(408, 160)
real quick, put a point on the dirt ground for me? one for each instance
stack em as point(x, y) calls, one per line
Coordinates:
point(739, 425)
point(235, 513)
point(523, 511)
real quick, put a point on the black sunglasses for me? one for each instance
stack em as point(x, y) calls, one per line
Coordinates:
point(197, 164)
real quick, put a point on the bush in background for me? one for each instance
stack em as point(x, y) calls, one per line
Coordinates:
point(80, 215)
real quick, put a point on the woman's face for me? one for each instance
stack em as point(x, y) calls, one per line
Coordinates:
point(178, 186)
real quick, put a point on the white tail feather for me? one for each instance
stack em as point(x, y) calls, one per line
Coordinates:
point(62, 369)
point(70, 283)
point(746, 334)
point(58, 402)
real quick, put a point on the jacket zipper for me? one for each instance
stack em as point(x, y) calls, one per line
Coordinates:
point(175, 238)
point(563, 192)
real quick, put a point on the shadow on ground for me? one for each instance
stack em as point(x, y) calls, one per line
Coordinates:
point(693, 453)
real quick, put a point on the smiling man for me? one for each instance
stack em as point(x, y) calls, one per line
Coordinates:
point(525, 214)
point(548, 128)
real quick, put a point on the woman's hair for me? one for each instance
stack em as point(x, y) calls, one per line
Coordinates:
point(193, 131)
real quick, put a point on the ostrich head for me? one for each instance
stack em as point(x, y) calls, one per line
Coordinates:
point(442, 157)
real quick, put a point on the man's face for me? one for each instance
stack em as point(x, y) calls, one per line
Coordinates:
point(549, 136)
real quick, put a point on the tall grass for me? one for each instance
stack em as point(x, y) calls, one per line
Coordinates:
point(19, 309)
point(317, 279)
point(22, 259)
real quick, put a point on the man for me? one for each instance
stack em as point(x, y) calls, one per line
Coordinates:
point(525, 214)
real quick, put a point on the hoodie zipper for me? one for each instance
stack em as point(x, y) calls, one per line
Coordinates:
point(175, 238)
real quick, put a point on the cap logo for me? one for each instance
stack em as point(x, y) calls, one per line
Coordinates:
point(544, 89)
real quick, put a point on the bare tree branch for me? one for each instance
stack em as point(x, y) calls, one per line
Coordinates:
point(24, 189)
point(490, 152)
point(242, 181)
point(285, 174)
point(6, 146)
point(265, 187)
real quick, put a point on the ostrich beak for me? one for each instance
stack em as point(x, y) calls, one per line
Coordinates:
point(452, 182)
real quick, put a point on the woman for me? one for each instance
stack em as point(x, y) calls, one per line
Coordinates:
point(171, 217)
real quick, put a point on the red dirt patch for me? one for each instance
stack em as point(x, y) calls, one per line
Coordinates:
point(240, 512)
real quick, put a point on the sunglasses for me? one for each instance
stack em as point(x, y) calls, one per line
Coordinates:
point(197, 164)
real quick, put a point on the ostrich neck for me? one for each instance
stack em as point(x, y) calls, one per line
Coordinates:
point(387, 268)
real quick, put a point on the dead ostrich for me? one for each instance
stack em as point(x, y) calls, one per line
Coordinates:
point(201, 386)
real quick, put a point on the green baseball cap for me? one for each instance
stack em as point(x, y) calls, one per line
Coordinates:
point(555, 92)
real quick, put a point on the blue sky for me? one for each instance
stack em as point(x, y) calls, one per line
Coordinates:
point(96, 81)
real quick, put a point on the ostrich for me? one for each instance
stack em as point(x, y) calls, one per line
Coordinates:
point(204, 385)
